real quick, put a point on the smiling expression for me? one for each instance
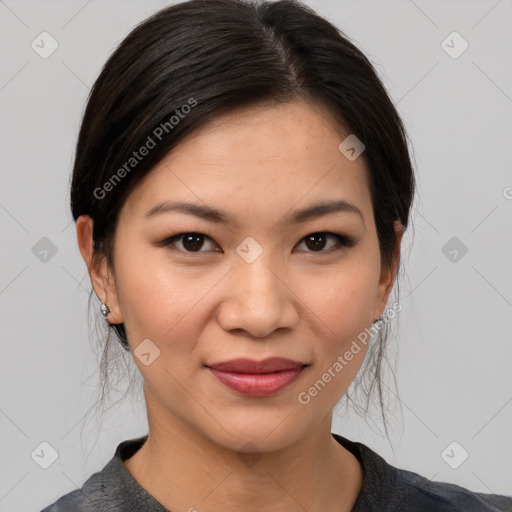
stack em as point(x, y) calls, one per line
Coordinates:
point(254, 238)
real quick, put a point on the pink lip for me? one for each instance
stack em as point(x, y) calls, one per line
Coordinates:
point(257, 378)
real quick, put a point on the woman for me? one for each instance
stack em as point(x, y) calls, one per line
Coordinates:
point(241, 187)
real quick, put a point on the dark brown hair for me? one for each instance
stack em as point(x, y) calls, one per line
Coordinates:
point(217, 55)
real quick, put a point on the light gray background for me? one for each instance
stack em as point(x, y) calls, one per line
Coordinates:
point(454, 343)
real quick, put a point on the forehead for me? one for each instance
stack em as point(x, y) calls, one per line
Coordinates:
point(256, 159)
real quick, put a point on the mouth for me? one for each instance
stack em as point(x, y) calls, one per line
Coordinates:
point(257, 378)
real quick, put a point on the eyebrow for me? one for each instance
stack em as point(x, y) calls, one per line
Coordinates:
point(220, 217)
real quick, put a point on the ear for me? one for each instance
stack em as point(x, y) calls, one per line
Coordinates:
point(101, 275)
point(387, 276)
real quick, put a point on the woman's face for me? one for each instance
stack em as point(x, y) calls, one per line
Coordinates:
point(253, 284)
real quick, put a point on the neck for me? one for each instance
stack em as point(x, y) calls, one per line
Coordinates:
point(184, 470)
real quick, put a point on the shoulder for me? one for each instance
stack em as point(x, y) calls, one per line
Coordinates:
point(112, 489)
point(387, 488)
point(90, 497)
point(420, 493)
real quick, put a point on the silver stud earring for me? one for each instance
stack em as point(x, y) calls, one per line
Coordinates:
point(104, 309)
point(119, 328)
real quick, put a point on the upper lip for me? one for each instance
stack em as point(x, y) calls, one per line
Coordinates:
point(269, 365)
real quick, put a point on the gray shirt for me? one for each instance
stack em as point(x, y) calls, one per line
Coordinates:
point(385, 489)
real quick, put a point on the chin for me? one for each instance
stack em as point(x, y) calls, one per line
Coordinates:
point(257, 433)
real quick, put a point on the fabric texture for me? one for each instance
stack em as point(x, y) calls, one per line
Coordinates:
point(385, 489)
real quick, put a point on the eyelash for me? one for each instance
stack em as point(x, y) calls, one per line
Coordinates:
point(343, 241)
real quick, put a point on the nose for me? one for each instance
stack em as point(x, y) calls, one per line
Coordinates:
point(258, 299)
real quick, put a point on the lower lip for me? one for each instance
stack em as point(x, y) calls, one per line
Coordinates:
point(257, 384)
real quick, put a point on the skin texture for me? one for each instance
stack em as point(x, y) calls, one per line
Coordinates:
point(305, 302)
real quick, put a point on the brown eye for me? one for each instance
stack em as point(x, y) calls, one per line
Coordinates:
point(193, 242)
point(316, 242)
point(190, 242)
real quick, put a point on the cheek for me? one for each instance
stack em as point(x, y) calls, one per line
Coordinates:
point(160, 301)
point(343, 305)
point(342, 316)
point(342, 300)
point(164, 313)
